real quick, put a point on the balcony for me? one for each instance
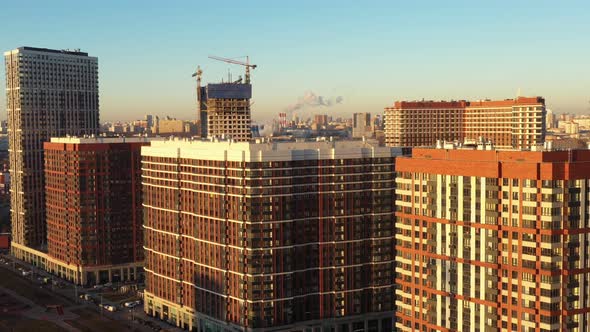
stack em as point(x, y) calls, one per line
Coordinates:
point(490, 213)
point(573, 284)
point(574, 190)
point(431, 278)
point(492, 200)
point(492, 315)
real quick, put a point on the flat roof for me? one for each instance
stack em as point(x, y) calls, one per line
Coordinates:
point(268, 151)
point(575, 155)
point(461, 104)
point(542, 165)
point(103, 140)
point(48, 50)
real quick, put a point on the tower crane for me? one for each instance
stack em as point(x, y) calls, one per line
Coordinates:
point(198, 74)
point(236, 62)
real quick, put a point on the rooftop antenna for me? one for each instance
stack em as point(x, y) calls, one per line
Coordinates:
point(518, 93)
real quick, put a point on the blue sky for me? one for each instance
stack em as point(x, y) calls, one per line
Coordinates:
point(369, 52)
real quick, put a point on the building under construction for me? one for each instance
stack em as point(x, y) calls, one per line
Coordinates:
point(225, 111)
point(224, 108)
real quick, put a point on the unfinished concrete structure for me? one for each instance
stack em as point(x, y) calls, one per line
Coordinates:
point(225, 110)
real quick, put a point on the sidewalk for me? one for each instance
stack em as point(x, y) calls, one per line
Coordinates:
point(71, 293)
point(39, 313)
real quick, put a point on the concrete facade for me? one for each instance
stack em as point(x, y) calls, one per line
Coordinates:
point(493, 240)
point(81, 275)
point(512, 123)
point(269, 236)
point(49, 93)
point(93, 206)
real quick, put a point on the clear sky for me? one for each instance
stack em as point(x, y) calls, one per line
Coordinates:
point(370, 53)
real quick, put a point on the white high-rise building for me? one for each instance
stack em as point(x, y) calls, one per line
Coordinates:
point(50, 93)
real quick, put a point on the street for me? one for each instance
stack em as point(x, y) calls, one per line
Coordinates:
point(68, 294)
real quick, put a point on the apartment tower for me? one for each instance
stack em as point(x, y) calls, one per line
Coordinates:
point(321, 120)
point(94, 208)
point(492, 240)
point(269, 236)
point(511, 123)
point(49, 93)
point(361, 125)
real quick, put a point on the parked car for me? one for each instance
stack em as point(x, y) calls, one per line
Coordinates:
point(132, 304)
point(109, 307)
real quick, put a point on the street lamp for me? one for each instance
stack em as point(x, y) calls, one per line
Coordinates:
point(76, 292)
point(132, 311)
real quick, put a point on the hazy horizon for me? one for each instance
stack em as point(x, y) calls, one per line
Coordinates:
point(366, 54)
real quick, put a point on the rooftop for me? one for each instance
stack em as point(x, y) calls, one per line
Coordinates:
point(430, 104)
point(268, 151)
point(102, 139)
point(491, 155)
point(48, 50)
point(508, 164)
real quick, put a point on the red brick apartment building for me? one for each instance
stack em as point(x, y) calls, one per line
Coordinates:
point(270, 236)
point(511, 123)
point(493, 240)
point(93, 206)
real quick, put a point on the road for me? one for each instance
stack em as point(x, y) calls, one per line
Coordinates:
point(71, 292)
point(40, 313)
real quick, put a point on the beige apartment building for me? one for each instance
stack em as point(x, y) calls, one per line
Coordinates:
point(510, 123)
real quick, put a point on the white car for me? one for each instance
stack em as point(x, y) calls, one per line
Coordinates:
point(109, 307)
point(132, 304)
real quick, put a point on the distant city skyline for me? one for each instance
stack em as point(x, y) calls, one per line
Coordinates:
point(361, 56)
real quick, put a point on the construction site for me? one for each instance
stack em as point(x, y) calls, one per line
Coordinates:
point(224, 108)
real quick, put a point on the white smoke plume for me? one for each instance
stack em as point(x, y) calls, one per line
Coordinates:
point(310, 99)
